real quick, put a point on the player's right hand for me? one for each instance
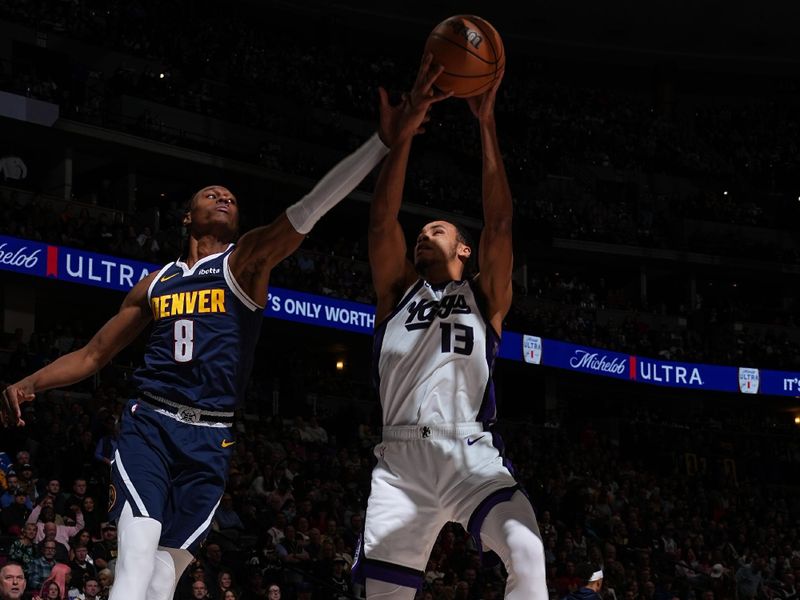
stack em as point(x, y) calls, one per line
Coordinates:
point(14, 395)
point(482, 105)
point(399, 123)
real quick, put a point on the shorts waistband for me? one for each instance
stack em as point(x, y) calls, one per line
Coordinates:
point(186, 414)
point(440, 431)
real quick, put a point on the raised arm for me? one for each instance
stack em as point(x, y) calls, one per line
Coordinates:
point(118, 332)
point(392, 272)
point(495, 257)
point(260, 249)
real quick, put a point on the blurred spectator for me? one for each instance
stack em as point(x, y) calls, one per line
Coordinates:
point(12, 581)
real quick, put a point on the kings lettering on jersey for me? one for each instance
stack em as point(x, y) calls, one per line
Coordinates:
point(188, 303)
point(422, 313)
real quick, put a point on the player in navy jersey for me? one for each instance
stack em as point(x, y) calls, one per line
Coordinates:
point(171, 463)
point(436, 338)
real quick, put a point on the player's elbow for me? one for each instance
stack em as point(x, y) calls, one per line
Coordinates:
point(92, 361)
point(499, 227)
point(379, 221)
point(380, 229)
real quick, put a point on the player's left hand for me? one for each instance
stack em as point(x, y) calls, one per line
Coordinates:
point(482, 105)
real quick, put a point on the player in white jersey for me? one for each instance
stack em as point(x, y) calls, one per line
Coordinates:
point(436, 338)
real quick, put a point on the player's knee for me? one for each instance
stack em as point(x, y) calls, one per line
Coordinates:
point(141, 540)
point(526, 551)
point(163, 579)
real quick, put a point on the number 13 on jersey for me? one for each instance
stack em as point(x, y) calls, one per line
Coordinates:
point(457, 338)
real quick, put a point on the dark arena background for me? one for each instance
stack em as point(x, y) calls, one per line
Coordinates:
point(650, 372)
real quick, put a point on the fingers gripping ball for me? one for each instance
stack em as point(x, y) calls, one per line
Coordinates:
point(472, 54)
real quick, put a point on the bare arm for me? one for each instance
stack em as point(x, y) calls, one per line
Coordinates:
point(258, 251)
point(392, 272)
point(261, 249)
point(496, 257)
point(118, 332)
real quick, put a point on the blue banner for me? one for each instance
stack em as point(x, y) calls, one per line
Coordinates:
point(779, 383)
point(23, 256)
point(69, 264)
point(320, 310)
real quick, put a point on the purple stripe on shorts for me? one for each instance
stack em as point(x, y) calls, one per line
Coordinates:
point(479, 514)
point(357, 570)
point(397, 574)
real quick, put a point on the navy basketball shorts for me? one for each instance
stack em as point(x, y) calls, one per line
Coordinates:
point(171, 470)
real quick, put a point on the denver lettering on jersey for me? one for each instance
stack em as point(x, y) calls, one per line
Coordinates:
point(422, 313)
point(188, 303)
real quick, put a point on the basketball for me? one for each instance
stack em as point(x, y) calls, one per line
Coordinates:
point(470, 50)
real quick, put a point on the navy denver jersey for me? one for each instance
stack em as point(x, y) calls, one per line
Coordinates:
point(205, 330)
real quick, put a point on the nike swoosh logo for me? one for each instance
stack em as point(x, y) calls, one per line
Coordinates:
point(470, 442)
point(226, 443)
point(169, 276)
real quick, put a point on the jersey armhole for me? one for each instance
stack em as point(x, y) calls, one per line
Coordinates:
point(236, 288)
point(480, 300)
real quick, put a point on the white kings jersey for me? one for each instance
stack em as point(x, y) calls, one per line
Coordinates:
point(434, 356)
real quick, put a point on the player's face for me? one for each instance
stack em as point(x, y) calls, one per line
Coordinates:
point(12, 582)
point(214, 209)
point(436, 242)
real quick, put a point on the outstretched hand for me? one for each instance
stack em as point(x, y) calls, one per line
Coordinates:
point(407, 119)
point(13, 396)
point(482, 105)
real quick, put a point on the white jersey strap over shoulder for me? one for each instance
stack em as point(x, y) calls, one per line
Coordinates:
point(336, 185)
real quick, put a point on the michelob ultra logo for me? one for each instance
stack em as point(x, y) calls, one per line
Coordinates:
point(748, 380)
point(20, 257)
point(532, 349)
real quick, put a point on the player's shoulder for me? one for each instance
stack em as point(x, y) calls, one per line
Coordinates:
point(144, 282)
point(141, 289)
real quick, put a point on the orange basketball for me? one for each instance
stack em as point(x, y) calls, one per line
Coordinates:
point(470, 50)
